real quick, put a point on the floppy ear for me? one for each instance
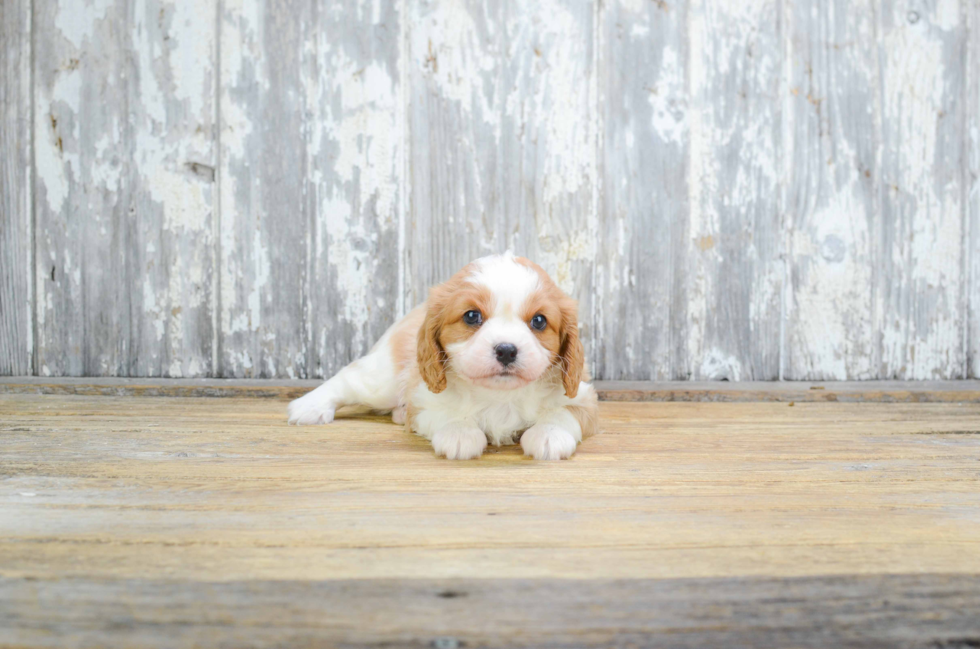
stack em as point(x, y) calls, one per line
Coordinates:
point(572, 356)
point(431, 355)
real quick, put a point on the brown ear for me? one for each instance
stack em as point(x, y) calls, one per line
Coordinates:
point(572, 356)
point(431, 355)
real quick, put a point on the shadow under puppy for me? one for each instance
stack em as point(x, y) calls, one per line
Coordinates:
point(492, 356)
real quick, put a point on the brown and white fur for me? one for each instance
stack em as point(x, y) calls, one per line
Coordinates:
point(447, 381)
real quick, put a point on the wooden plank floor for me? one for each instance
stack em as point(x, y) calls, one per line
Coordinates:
point(171, 522)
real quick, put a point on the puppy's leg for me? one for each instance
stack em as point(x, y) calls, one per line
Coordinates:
point(554, 437)
point(369, 381)
point(459, 440)
point(557, 433)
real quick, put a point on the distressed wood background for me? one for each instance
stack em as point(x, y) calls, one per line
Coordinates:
point(733, 189)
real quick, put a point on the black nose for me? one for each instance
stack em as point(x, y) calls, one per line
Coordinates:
point(506, 353)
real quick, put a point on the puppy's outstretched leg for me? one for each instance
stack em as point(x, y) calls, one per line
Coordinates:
point(369, 381)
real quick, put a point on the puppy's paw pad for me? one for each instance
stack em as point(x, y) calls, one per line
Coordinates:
point(548, 442)
point(307, 411)
point(459, 443)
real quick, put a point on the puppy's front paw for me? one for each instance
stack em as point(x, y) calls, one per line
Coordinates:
point(459, 442)
point(310, 409)
point(548, 442)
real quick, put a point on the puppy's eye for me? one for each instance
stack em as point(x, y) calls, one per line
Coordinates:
point(473, 318)
point(539, 322)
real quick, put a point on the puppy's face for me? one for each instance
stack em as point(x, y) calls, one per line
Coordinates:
point(500, 323)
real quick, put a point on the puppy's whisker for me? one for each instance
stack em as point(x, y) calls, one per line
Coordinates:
point(561, 366)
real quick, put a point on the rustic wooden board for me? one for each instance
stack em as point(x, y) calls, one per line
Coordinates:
point(173, 522)
point(793, 391)
point(267, 115)
point(650, 498)
point(732, 190)
point(731, 256)
point(358, 180)
point(124, 158)
point(16, 209)
point(972, 175)
point(148, 387)
point(310, 185)
point(644, 205)
point(502, 141)
point(920, 313)
point(721, 391)
point(936, 611)
point(833, 114)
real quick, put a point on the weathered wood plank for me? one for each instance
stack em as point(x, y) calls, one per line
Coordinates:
point(940, 611)
point(367, 155)
point(722, 391)
point(834, 113)
point(124, 154)
point(267, 103)
point(731, 252)
point(142, 531)
point(357, 178)
point(123, 531)
point(792, 392)
point(920, 265)
point(503, 141)
point(16, 203)
point(972, 174)
point(645, 202)
point(311, 146)
point(199, 490)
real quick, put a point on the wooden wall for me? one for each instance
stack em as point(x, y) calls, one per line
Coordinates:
point(733, 189)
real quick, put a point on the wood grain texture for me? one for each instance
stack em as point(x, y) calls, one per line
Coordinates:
point(199, 489)
point(789, 392)
point(732, 190)
point(972, 175)
point(936, 611)
point(310, 184)
point(640, 299)
point(199, 515)
point(920, 311)
point(833, 112)
point(732, 267)
point(267, 104)
point(723, 391)
point(124, 156)
point(358, 179)
point(502, 141)
point(16, 210)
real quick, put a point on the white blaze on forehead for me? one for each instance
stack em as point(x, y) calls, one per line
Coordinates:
point(510, 282)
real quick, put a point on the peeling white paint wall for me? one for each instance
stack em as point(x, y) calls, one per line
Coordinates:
point(733, 190)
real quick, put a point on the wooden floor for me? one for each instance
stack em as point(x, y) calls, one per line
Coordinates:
point(172, 522)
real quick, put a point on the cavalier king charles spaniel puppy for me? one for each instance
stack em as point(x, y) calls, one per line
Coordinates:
point(493, 356)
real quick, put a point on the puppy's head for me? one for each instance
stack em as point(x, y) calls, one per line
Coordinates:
point(500, 323)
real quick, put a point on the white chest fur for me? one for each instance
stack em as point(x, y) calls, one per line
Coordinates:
point(501, 414)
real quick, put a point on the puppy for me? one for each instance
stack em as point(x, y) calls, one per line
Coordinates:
point(493, 356)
